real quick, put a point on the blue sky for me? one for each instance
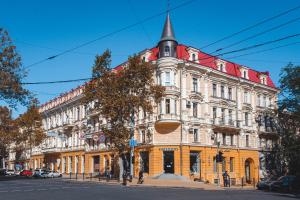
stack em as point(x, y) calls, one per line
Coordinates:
point(43, 28)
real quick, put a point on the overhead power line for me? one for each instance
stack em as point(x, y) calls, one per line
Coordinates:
point(53, 82)
point(252, 26)
point(109, 34)
point(252, 46)
point(264, 50)
point(212, 56)
point(258, 34)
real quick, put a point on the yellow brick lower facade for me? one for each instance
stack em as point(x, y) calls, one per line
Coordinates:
point(239, 163)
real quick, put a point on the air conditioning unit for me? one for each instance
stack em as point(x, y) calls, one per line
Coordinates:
point(188, 104)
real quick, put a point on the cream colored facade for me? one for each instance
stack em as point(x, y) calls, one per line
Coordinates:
point(202, 107)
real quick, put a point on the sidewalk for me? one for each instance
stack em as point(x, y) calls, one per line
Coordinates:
point(150, 182)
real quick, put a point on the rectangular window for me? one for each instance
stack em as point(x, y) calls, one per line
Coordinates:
point(143, 136)
point(224, 138)
point(195, 135)
point(245, 97)
point(214, 114)
point(168, 79)
point(231, 140)
point(246, 118)
point(222, 121)
point(222, 91)
point(224, 165)
point(195, 85)
point(231, 164)
point(168, 109)
point(265, 101)
point(215, 164)
point(144, 161)
point(214, 90)
point(258, 100)
point(230, 121)
point(247, 140)
point(230, 93)
point(194, 162)
point(195, 109)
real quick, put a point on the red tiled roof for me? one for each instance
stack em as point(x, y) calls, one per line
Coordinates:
point(207, 60)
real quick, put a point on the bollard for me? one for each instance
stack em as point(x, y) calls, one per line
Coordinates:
point(82, 176)
point(99, 176)
point(242, 182)
point(76, 175)
point(254, 182)
point(90, 176)
point(70, 175)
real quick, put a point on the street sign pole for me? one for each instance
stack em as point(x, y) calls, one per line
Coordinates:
point(132, 145)
point(217, 162)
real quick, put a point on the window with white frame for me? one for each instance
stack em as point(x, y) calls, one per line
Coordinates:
point(196, 138)
point(195, 85)
point(258, 100)
point(246, 97)
point(222, 91)
point(246, 118)
point(168, 106)
point(230, 93)
point(244, 73)
point(168, 79)
point(195, 109)
point(214, 89)
point(221, 65)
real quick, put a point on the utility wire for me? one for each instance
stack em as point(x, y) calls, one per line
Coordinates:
point(53, 82)
point(109, 34)
point(258, 34)
point(251, 53)
point(252, 46)
point(210, 56)
point(252, 26)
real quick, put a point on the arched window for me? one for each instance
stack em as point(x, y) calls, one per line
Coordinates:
point(167, 51)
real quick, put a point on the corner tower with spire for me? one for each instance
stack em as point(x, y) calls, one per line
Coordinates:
point(167, 44)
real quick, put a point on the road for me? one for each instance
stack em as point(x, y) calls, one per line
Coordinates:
point(58, 189)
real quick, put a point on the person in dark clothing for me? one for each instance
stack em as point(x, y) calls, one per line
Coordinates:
point(141, 177)
point(226, 179)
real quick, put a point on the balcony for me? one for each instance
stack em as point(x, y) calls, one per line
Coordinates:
point(221, 126)
point(51, 149)
point(267, 131)
point(173, 90)
point(168, 119)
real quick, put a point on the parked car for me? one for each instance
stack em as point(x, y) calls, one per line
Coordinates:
point(44, 174)
point(264, 183)
point(10, 172)
point(26, 173)
point(283, 184)
point(38, 172)
point(54, 174)
point(2, 172)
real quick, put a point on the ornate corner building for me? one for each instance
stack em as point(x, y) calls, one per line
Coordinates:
point(210, 105)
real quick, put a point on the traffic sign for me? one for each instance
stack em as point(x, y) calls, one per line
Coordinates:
point(132, 143)
point(102, 138)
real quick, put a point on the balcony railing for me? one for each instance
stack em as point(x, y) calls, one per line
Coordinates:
point(168, 118)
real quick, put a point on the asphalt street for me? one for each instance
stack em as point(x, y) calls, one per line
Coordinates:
point(59, 189)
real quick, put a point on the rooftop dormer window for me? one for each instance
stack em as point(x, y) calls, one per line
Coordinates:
point(194, 57)
point(221, 66)
point(263, 79)
point(244, 72)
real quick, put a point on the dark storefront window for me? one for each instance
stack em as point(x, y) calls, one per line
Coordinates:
point(144, 161)
point(194, 162)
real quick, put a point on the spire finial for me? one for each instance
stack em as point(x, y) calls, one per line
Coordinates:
point(168, 6)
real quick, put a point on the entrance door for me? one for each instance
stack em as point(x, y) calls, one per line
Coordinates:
point(169, 162)
point(96, 163)
point(247, 171)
